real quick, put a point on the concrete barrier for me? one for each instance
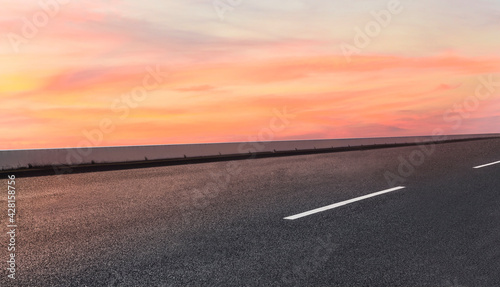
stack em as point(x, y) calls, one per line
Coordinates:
point(14, 159)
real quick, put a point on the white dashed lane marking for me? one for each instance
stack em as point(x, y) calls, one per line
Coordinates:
point(332, 206)
point(488, 164)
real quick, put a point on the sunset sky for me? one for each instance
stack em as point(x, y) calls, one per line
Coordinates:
point(170, 72)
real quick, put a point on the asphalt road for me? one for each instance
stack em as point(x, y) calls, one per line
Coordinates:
point(223, 223)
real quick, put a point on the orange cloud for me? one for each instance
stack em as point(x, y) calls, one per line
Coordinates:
point(373, 96)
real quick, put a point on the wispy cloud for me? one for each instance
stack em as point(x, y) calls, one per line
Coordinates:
point(225, 77)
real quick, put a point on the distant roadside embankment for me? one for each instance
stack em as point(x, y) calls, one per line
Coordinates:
point(61, 159)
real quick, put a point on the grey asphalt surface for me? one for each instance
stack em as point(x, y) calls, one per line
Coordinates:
point(221, 224)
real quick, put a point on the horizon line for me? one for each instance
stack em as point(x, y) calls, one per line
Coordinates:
point(215, 143)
